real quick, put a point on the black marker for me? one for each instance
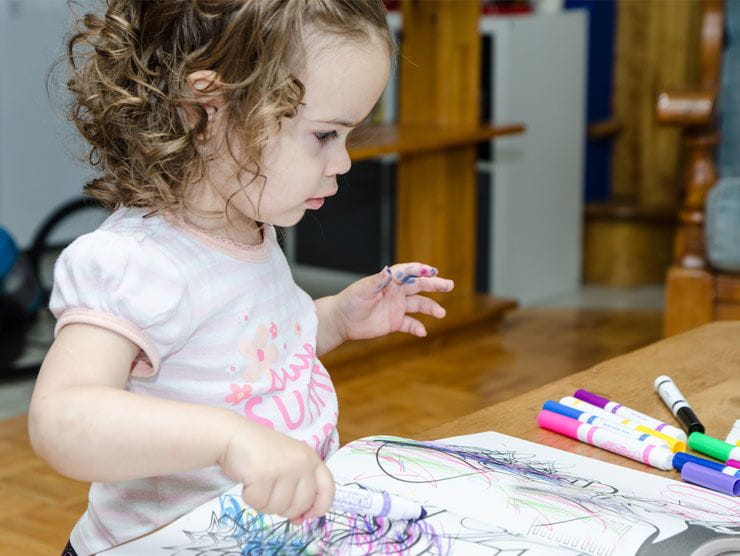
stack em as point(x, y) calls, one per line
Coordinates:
point(672, 397)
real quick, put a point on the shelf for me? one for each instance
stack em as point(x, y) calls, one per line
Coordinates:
point(376, 140)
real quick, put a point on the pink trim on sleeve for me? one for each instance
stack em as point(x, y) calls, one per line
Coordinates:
point(115, 324)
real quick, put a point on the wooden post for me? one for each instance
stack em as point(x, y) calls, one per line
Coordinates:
point(440, 85)
point(690, 285)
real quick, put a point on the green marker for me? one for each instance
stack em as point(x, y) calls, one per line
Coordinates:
point(718, 449)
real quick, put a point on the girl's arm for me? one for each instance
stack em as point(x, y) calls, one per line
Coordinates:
point(86, 426)
point(330, 334)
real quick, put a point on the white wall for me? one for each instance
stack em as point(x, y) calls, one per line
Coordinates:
point(539, 79)
point(37, 171)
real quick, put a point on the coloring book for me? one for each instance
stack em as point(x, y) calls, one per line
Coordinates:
point(485, 493)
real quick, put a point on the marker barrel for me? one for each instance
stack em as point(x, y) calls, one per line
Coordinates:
point(655, 456)
point(675, 401)
point(629, 413)
point(718, 449)
point(376, 504)
point(674, 444)
point(709, 478)
point(584, 417)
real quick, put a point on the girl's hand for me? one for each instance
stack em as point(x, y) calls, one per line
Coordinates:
point(380, 304)
point(280, 475)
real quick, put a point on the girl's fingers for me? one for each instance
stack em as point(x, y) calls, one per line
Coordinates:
point(324, 493)
point(421, 304)
point(258, 495)
point(303, 497)
point(381, 280)
point(429, 285)
point(412, 326)
point(281, 497)
point(408, 273)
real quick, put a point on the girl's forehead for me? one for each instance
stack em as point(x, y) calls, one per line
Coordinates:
point(342, 80)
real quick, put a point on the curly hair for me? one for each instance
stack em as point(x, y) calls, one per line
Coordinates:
point(129, 88)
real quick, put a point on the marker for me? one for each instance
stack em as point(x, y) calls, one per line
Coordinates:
point(375, 504)
point(715, 448)
point(682, 457)
point(709, 478)
point(662, 458)
point(584, 417)
point(674, 444)
point(674, 400)
point(733, 437)
point(631, 414)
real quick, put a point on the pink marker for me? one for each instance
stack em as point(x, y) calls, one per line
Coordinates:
point(733, 463)
point(662, 458)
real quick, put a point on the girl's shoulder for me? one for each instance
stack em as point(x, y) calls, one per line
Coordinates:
point(128, 240)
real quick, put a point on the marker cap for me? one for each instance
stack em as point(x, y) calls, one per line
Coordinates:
point(674, 444)
point(709, 478)
point(733, 463)
point(558, 423)
point(682, 457)
point(556, 407)
point(590, 397)
point(718, 449)
point(689, 420)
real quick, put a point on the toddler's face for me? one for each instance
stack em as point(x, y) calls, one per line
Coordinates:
point(301, 162)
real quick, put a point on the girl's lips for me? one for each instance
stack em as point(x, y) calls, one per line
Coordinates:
point(315, 203)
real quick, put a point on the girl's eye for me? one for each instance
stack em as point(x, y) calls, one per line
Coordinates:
point(325, 136)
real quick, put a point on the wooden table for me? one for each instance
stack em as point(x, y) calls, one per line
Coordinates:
point(704, 363)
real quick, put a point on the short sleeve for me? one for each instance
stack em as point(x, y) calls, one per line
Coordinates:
point(127, 285)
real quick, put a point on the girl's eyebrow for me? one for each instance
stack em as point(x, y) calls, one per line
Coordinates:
point(344, 123)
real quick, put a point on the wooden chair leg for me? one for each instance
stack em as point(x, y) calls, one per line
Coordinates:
point(689, 299)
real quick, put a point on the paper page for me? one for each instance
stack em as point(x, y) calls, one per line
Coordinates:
point(225, 526)
point(581, 503)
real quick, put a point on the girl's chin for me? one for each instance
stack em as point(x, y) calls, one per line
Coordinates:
point(288, 220)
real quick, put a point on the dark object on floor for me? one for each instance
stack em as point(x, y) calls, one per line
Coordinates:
point(22, 294)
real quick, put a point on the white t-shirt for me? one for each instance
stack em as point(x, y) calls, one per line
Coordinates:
point(218, 324)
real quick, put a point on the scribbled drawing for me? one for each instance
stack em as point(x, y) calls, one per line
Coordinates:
point(237, 530)
point(486, 494)
point(547, 498)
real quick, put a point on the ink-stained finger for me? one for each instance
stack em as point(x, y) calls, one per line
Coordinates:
point(421, 304)
point(412, 326)
point(383, 279)
point(408, 273)
point(324, 493)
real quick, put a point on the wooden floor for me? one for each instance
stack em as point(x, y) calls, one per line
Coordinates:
point(403, 393)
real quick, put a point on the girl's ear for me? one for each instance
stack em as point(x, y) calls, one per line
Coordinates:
point(207, 93)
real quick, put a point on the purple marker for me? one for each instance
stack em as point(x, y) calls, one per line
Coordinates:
point(710, 478)
point(628, 413)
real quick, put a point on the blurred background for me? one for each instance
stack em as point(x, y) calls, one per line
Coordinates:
point(580, 210)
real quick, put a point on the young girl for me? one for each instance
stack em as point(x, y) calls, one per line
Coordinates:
point(185, 357)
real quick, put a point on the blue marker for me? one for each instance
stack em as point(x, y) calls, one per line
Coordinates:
point(584, 417)
point(682, 457)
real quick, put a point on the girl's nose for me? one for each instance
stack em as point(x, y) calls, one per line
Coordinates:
point(340, 163)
